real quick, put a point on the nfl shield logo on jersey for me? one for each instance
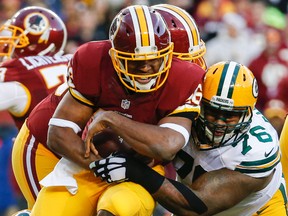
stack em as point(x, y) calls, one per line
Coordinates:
point(125, 104)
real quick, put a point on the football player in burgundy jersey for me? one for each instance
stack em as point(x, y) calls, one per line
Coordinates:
point(146, 97)
point(31, 48)
point(32, 65)
point(34, 133)
point(32, 160)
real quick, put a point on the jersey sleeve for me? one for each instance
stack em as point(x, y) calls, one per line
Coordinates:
point(189, 89)
point(259, 148)
point(262, 167)
point(84, 75)
point(191, 108)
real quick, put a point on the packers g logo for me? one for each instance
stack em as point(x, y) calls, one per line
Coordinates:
point(36, 23)
point(255, 88)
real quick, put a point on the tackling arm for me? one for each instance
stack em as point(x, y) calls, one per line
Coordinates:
point(219, 190)
point(211, 193)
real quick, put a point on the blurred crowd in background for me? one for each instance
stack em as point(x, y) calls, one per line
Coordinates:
point(251, 32)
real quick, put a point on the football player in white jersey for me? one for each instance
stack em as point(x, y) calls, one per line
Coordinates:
point(230, 166)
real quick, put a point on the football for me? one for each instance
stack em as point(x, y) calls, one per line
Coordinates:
point(107, 142)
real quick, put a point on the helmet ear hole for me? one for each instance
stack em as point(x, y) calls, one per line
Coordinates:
point(173, 23)
point(215, 70)
point(244, 77)
point(31, 47)
point(158, 30)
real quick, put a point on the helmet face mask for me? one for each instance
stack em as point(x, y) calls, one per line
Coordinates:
point(32, 31)
point(222, 127)
point(229, 96)
point(129, 79)
point(11, 37)
point(139, 34)
point(185, 35)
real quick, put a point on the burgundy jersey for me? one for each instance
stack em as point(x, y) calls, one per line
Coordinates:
point(92, 80)
point(39, 75)
point(38, 120)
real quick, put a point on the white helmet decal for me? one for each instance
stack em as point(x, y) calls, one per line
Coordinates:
point(36, 23)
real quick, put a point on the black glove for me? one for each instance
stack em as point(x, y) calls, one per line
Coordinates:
point(118, 168)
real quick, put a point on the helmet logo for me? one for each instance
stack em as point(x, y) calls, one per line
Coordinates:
point(217, 101)
point(36, 23)
point(114, 29)
point(255, 88)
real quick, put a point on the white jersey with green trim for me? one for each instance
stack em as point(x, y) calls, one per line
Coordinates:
point(257, 154)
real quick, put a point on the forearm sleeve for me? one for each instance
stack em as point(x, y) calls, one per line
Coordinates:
point(152, 182)
point(194, 201)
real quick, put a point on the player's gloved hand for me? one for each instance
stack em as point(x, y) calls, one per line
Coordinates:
point(118, 168)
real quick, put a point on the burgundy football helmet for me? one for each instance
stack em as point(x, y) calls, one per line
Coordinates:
point(185, 35)
point(139, 33)
point(32, 31)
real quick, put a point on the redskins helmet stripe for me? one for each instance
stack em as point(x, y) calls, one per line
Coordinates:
point(228, 80)
point(185, 18)
point(142, 23)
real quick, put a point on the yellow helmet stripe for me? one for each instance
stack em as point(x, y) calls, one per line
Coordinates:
point(144, 31)
point(150, 26)
point(228, 79)
point(186, 20)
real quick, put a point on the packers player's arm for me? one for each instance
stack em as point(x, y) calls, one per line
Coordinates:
point(160, 141)
point(209, 194)
point(217, 190)
point(68, 120)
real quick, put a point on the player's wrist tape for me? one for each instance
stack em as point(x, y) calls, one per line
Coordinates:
point(179, 129)
point(145, 176)
point(194, 201)
point(64, 123)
